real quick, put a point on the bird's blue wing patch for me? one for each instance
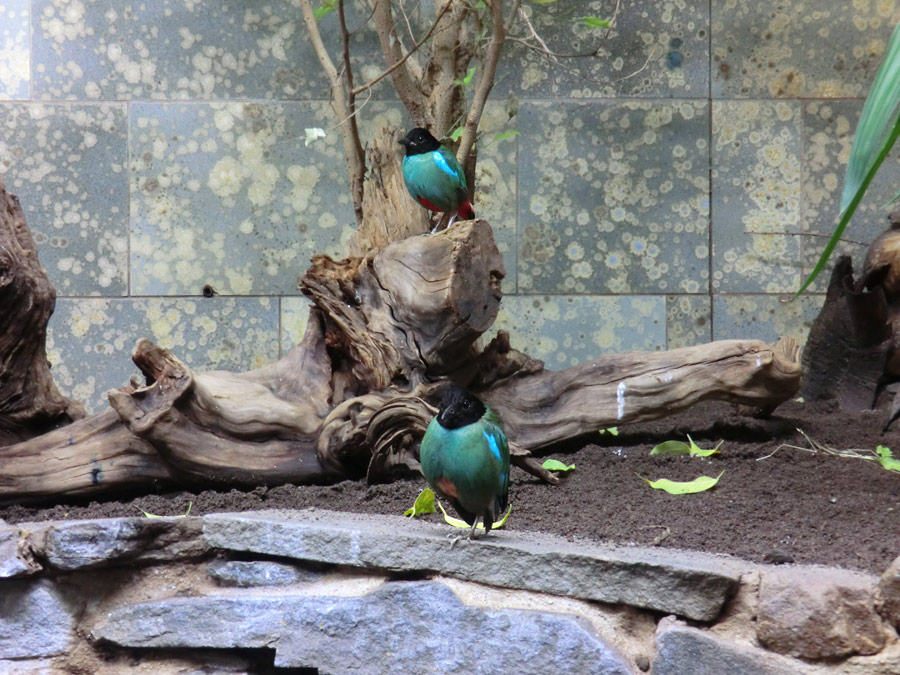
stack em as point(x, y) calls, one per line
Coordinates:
point(442, 164)
point(492, 443)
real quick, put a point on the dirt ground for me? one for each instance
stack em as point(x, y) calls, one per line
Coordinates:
point(789, 506)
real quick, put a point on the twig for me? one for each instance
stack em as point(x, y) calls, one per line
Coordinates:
point(341, 105)
point(809, 234)
point(408, 87)
point(406, 56)
point(356, 180)
point(485, 82)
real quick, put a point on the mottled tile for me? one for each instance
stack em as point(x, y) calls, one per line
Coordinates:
point(764, 317)
point(828, 128)
point(613, 197)
point(658, 48)
point(564, 331)
point(756, 157)
point(495, 182)
point(294, 316)
point(688, 320)
point(15, 49)
point(228, 194)
point(90, 341)
point(798, 49)
point(187, 49)
point(67, 164)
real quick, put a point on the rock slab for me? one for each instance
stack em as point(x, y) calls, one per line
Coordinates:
point(819, 613)
point(34, 620)
point(889, 592)
point(252, 574)
point(402, 627)
point(688, 584)
point(14, 562)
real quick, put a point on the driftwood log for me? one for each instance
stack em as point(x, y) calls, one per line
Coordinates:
point(387, 331)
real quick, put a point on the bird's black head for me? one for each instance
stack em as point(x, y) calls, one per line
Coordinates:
point(459, 408)
point(419, 141)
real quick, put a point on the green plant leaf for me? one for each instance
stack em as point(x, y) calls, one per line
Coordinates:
point(506, 134)
point(697, 451)
point(424, 504)
point(457, 133)
point(868, 150)
point(671, 448)
point(153, 515)
point(595, 22)
point(886, 458)
point(542, 2)
point(456, 522)
point(700, 484)
point(326, 8)
point(467, 80)
point(556, 465)
point(612, 431)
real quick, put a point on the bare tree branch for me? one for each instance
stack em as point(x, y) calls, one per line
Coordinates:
point(341, 104)
point(407, 87)
point(485, 82)
point(353, 131)
point(406, 56)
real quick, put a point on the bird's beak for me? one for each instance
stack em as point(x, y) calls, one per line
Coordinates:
point(403, 142)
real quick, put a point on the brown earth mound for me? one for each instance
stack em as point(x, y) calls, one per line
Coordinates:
point(789, 506)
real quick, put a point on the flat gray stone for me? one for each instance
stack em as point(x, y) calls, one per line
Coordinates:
point(681, 650)
point(84, 544)
point(34, 620)
point(29, 667)
point(257, 573)
point(689, 584)
point(402, 627)
point(14, 562)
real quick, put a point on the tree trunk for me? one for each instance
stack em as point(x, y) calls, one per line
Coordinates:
point(30, 403)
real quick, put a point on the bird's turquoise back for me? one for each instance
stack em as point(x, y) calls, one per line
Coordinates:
point(436, 177)
point(473, 459)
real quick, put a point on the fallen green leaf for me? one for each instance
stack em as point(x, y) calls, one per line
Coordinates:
point(456, 522)
point(671, 448)
point(153, 515)
point(682, 448)
point(700, 484)
point(506, 134)
point(886, 458)
point(612, 431)
point(556, 465)
point(424, 504)
point(595, 22)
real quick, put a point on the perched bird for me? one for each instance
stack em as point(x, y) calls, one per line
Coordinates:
point(465, 458)
point(433, 176)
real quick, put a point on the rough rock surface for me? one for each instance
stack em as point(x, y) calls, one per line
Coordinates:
point(889, 592)
point(35, 620)
point(819, 613)
point(693, 585)
point(14, 562)
point(403, 627)
point(709, 654)
point(257, 573)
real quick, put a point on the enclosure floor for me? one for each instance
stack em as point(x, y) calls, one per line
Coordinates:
point(793, 505)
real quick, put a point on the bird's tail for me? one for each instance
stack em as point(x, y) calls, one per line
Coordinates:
point(465, 211)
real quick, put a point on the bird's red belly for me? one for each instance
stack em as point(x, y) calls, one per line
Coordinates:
point(446, 486)
point(428, 205)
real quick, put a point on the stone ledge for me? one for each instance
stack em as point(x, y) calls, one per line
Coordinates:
point(685, 583)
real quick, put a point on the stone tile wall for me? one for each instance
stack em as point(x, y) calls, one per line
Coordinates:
point(653, 197)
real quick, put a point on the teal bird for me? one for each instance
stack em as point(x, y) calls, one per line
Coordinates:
point(433, 176)
point(465, 458)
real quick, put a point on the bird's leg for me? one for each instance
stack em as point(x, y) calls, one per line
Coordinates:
point(456, 537)
point(472, 531)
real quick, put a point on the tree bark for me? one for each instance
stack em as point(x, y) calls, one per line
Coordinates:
point(30, 403)
point(388, 331)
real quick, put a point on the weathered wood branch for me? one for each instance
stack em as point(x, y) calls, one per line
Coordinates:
point(387, 332)
point(30, 403)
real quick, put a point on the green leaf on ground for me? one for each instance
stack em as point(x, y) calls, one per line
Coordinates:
point(456, 522)
point(682, 448)
point(700, 484)
point(424, 504)
point(153, 515)
point(612, 431)
point(556, 465)
point(886, 458)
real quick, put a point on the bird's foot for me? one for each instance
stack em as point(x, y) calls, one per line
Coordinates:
point(455, 538)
